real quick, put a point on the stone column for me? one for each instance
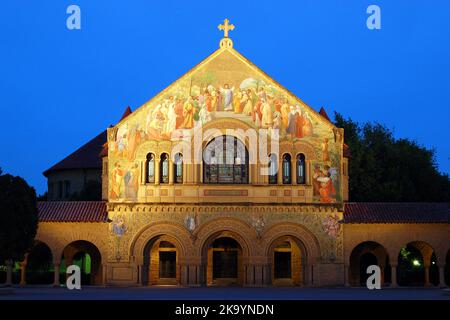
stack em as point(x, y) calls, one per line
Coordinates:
point(23, 273)
point(442, 276)
point(427, 276)
point(56, 274)
point(201, 275)
point(267, 279)
point(382, 273)
point(294, 170)
point(394, 276)
point(171, 171)
point(184, 275)
point(280, 171)
point(104, 273)
point(9, 265)
point(157, 174)
point(346, 275)
point(196, 168)
point(250, 273)
point(259, 275)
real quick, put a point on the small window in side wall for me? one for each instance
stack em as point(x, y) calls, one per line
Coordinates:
point(150, 168)
point(286, 169)
point(301, 169)
point(51, 191)
point(66, 189)
point(178, 168)
point(164, 168)
point(273, 169)
point(60, 189)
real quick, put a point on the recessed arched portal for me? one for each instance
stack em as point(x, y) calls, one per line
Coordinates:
point(366, 254)
point(224, 256)
point(417, 265)
point(161, 264)
point(85, 255)
point(287, 258)
point(39, 264)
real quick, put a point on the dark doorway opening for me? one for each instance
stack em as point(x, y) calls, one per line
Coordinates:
point(282, 265)
point(225, 258)
point(366, 260)
point(167, 264)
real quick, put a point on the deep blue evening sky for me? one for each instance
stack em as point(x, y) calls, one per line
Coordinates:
point(60, 88)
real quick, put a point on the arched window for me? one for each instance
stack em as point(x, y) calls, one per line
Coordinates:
point(164, 168)
point(150, 168)
point(178, 168)
point(225, 160)
point(273, 169)
point(301, 169)
point(286, 169)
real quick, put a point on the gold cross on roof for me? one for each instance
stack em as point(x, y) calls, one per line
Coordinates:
point(226, 27)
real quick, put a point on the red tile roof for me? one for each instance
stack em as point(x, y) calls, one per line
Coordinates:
point(72, 211)
point(387, 212)
point(86, 157)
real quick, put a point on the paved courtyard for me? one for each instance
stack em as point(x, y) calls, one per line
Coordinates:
point(222, 293)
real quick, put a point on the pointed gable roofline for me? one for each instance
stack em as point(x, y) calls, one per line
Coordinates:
point(104, 151)
point(248, 63)
point(89, 155)
point(324, 114)
point(126, 113)
point(85, 157)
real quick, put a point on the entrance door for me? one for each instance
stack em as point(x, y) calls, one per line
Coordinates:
point(225, 263)
point(282, 265)
point(167, 264)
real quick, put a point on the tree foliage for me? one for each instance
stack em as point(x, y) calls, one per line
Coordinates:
point(383, 168)
point(18, 217)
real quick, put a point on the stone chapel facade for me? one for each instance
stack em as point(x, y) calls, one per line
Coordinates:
point(227, 178)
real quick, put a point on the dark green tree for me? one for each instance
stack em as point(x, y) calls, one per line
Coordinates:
point(383, 168)
point(18, 219)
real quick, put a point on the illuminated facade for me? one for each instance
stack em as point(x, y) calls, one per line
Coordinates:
point(226, 177)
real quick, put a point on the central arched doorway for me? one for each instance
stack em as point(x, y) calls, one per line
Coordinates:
point(161, 266)
point(288, 261)
point(224, 262)
point(87, 257)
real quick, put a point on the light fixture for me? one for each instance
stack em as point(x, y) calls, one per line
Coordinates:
point(416, 263)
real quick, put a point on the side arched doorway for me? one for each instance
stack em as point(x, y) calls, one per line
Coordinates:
point(288, 261)
point(366, 254)
point(85, 255)
point(417, 265)
point(161, 262)
point(39, 265)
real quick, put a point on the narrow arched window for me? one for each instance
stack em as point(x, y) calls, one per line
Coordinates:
point(150, 168)
point(178, 168)
point(286, 169)
point(273, 169)
point(301, 169)
point(164, 168)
